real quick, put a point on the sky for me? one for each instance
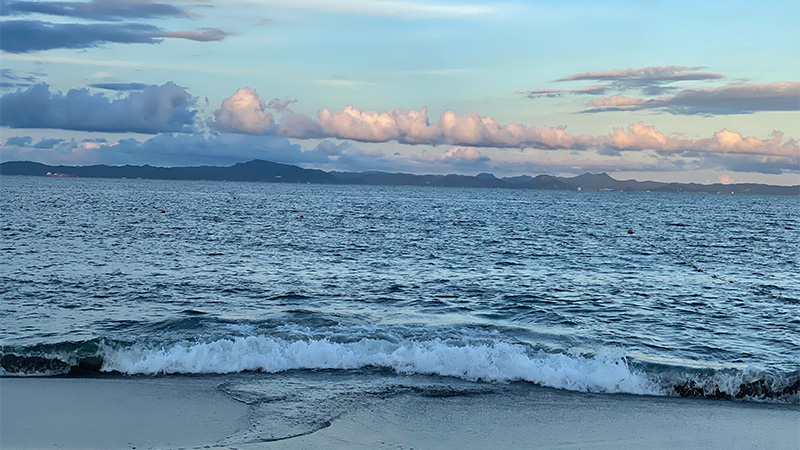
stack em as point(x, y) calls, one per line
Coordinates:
point(661, 90)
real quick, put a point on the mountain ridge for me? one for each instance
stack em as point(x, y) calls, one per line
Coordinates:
point(268, 171)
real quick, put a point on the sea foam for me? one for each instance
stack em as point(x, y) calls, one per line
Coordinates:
point(498, 362)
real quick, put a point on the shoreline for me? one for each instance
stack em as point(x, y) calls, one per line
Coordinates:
point(121, 412)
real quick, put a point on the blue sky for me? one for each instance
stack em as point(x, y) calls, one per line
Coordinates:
point(673, 91)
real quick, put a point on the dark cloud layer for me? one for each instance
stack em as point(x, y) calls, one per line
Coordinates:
point(104, 10)
point(155, 109)
point(22, 36)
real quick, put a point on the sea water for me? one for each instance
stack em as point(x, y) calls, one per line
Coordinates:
point(387, 288)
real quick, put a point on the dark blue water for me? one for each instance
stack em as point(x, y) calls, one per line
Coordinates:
point(485, 285)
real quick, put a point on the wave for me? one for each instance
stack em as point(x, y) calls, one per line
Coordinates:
point(486, 362)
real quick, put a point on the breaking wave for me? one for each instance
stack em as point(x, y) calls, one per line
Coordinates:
point(487, 362)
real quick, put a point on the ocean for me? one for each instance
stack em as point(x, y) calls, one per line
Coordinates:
point(356, 292)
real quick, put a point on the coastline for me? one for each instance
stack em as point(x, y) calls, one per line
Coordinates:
point(119, 412)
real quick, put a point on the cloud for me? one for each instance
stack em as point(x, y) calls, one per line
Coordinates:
point(243, 112)
point(617, 102)
point(104, 10)
point(192, 149)
point(653, 80)
point(463, 154)
point(589, 90)
point(389, 8)
point(155, 109)
point(119, 86)
point(737, 98)
point(19, 141)
point(12, 79)
point(226, 149)
point(750, 163)
point(281, 105)
point(204, 35)
point(646, 75)
point(22, 36)
point(48, 143)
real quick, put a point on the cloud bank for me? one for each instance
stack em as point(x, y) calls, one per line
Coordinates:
point(154, 109)
point(244, 112)
point(226, 149)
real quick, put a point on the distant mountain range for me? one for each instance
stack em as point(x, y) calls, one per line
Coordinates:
point(258, 170)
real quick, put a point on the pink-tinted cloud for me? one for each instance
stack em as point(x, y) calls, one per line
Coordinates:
point(473, 130)
point(616, 101)
point(243, 112)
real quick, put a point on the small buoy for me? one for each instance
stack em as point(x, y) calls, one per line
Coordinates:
point(20, 207)
point(630, 231)
point(301, 217)
point(389, 203)
point(162, 211)
point(234, 197)
point(730, 281)
point(778, 296)
point(451, 220)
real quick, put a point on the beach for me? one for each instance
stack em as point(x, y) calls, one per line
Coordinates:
point(193, 412)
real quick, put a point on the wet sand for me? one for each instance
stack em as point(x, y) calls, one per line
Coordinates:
point(115, 413)
point(191, 412)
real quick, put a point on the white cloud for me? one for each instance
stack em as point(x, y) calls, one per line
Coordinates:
point(243, 112)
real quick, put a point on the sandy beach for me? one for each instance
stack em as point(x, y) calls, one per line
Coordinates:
point(192, 412)
point(115, 413)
